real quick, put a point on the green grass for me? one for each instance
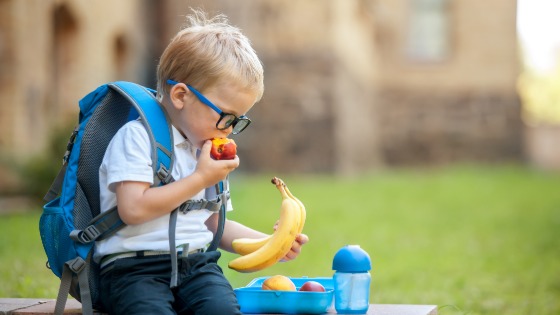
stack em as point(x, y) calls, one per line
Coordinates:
point(472, 240)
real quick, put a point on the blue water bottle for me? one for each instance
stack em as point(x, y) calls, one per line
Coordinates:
point(351, 280)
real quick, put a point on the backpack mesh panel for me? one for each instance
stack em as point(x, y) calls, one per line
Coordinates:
point(107, 119)
point(109, 116)
point(81, 212)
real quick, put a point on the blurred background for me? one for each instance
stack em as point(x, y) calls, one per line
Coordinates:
point(350, 85)
point(427, 99)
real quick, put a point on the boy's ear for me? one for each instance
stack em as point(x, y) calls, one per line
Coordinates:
point(178, 93)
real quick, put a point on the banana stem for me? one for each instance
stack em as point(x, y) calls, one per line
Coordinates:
point(280, 186)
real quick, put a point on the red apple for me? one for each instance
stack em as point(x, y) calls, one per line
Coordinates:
point(223, 149)
point(312, 286)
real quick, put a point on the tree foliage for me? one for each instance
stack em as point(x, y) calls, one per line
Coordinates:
point(540, 93)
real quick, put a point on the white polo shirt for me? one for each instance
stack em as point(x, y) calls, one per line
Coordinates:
point(128, 159)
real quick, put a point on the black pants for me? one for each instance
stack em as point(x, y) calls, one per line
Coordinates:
point(140, 285)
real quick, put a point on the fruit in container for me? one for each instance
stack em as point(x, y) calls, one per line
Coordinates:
point(278, 282)
point(312, 286)
point(223, 149)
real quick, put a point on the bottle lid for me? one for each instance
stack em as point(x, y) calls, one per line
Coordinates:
point(351, 258)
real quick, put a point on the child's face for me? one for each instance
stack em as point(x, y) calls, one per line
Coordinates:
point(198, 121)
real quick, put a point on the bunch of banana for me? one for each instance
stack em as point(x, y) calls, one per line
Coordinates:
point(261, 253)
point(244, 246)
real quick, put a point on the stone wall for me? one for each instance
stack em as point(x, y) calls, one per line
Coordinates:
point(482, 51)
point(319, 60)
point(378, 106)
point(53, 52)
point(293, 125)
point(340, 93)
point(419, 128)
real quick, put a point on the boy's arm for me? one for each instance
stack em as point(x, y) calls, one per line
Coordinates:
point(234, 230)
point(137, 202)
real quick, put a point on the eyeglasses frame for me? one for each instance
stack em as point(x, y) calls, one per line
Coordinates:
point(222, 114)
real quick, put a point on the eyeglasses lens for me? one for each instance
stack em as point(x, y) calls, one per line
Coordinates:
point(226, 121)
point(240, 125)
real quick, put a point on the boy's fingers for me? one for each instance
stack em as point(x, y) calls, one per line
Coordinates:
point(302, 239)
point(230, 164)
point(296, 247)
point(206, 147)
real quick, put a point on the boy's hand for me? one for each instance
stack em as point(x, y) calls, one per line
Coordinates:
point(301, 239)
point(213, 171)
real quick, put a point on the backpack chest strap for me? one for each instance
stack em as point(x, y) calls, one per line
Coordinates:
point(212, 205)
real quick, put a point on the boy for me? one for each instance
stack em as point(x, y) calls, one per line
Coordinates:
point(209, 77)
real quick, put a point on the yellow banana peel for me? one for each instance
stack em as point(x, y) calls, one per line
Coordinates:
point(269, 250)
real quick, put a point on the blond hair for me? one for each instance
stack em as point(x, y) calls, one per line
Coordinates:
point(209, 50)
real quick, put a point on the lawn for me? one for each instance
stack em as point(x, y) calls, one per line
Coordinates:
point(470, 239)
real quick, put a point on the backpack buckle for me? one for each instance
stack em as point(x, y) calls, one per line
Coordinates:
point(70, 145)
point(90, 233)
point(191, 205)
point(77, 264)
point(214, 205)
point(87, 235)
point(164, 175)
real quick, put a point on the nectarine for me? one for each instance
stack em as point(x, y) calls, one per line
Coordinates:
point(278, 282)
point(223, 149)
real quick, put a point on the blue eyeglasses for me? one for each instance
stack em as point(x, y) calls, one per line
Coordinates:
point(226, 120)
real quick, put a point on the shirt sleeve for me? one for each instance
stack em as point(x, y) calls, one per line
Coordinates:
point(128, 156)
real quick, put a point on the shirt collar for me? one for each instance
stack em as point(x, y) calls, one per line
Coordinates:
point(179, 141)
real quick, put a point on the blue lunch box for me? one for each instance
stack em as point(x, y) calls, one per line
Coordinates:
point(253, 299)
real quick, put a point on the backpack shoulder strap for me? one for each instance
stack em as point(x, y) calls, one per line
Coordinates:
point(157, 123)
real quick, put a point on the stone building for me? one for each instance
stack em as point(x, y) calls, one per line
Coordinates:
point(53, 52)
point(349, 84)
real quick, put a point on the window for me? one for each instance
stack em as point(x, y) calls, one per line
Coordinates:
point(427, 36)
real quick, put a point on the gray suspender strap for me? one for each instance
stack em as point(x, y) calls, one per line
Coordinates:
point(222, 196)
point(75, 266)
point(85, 294)
point(222, 216)
point(65, 282)
point(172, 250)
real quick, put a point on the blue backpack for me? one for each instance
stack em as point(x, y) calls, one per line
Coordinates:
point(71, 221)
